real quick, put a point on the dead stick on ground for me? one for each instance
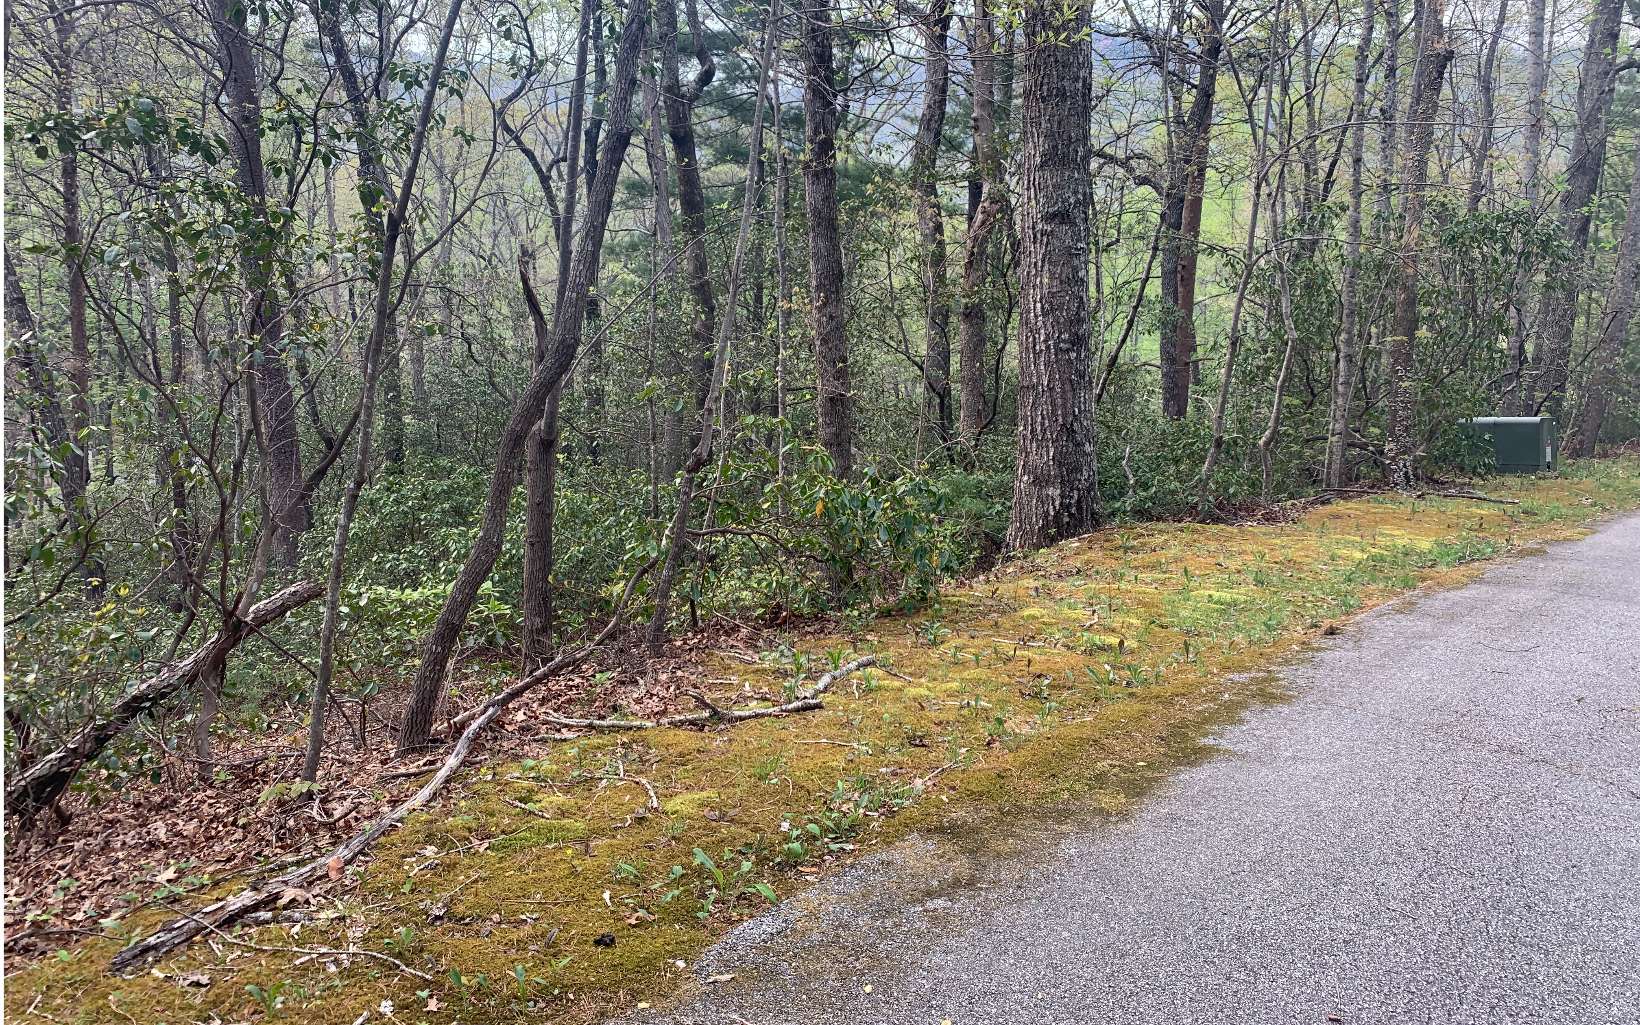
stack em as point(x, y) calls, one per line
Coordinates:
point(807, 701)
point(320, 952)
point(1473, 496)
point(220, 914)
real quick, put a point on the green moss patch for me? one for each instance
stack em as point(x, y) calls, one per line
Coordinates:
point(573, 884)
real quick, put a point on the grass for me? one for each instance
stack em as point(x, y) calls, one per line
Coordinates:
point(1076, 678)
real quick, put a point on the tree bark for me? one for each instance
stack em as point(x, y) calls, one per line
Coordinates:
point(935, 30)
point(1390, 108)
point(678, 537)
point(1515, 397)
point(541, 449)
point(1480, 180)
point(396, 207)
point(679, 101)
point(1347, 360)
point(1614, 330)
point(1401, 448)
point(77, 459)
point(820, 110)
point(24, 352)
point(989, 210)
point(1056, 486)
point(1182, 218)
point(274, 399)
point(1596, 85)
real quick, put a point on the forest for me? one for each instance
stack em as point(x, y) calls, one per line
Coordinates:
point(375, 366)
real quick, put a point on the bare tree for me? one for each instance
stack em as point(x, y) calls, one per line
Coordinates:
point(416, 727)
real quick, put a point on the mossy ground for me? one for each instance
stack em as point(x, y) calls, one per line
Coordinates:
point(1077, 677)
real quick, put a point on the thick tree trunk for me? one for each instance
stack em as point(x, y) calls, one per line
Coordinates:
point(1401, 447)
point(417, 726)
point(820, 110)
point(1596, 85)
point(1347, 360)
point(825, 245)
point(1614, 330)
point(931, 222)
point(1056, 486)
point(1516, 394)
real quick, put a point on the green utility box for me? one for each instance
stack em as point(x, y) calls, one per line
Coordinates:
point(1522, 444)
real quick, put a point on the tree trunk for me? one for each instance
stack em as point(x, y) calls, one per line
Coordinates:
point(678, 537)
point(417, 726)
point(1614, 330)
point(273, 397)
point(1480, 180)
point(820, 114)
point(783, 288)
point(1056, 486)
point(375, 349)
point(989, 208)
point(1401, 448)
point(1515, 397)
point(1390, 108)
point(1347, 361)
point(931, 222)
point(1182, 219)
point(47, 406)
point(679, 101)
point(541, 449)
point(1596, 85)
point(46, 778)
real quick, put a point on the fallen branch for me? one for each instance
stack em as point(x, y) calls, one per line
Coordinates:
point(311, 952)
point(807, 701)
point(221, 914)
point(1474, 496)
point(45, 780)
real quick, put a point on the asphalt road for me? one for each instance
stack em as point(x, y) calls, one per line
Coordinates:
point(1443, 826)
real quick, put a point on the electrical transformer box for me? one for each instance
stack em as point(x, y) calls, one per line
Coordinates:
point(1522, 444)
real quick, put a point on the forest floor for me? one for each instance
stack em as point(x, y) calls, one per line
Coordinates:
point(582, 877)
